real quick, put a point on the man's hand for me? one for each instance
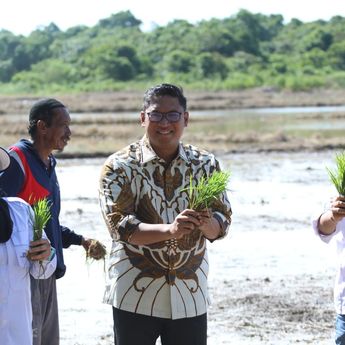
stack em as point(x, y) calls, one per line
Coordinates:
point(39, 250)
point(184, 223)
point(86, 242)
point(209, 226)
point(337, 208)
point(329, 220)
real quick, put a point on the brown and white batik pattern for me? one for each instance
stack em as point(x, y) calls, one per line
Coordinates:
point(167, 279)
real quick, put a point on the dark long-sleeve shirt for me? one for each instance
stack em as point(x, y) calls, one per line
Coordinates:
point(28, 178)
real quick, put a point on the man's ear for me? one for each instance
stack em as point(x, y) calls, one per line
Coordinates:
point(142, 118)
point(41, 126)
point(186, 118)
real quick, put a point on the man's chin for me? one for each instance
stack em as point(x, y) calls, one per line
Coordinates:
point(60, 149)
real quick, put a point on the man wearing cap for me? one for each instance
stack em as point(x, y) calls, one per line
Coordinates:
point(19, 255)
point(31, 176)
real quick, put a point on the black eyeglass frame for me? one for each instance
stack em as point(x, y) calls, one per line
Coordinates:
point(164, 115)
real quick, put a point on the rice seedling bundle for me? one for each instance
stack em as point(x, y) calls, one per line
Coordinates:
point(96, 251)
point(42, 215)
point(337, 176)
point(207, 190)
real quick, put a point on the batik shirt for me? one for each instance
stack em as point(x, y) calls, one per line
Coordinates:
point(166, 279)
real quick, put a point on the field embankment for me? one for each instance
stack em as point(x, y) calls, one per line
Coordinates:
point(197, 100)
point(101, 123)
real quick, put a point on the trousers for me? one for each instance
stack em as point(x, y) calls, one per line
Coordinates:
point(136, 329)
point(45, 318)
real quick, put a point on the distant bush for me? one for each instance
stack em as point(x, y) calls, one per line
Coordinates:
point(238, 52)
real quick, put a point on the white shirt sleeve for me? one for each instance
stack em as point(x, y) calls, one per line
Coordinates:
point(326, 238)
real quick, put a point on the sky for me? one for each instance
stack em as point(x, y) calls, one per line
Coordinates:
point(24, 16)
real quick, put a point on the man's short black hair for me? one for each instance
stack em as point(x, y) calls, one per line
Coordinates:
point(42, 110)
point(164, 90)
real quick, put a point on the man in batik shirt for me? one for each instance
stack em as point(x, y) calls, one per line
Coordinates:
point(158, 263)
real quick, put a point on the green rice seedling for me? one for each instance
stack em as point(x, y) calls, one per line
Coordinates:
point(337, 176)
point(42, 215)
point(207, 190)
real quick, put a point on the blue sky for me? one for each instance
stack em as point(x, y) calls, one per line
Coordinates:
point(24, 16)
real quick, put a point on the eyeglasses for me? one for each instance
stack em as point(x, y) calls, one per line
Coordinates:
point(172, 116)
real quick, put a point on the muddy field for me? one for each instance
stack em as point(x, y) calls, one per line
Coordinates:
point(108, 102)
point(288, 310)
point(222, 131)
point(270, 280)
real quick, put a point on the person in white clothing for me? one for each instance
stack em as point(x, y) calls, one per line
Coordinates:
point(19, 257)
point(331, 225)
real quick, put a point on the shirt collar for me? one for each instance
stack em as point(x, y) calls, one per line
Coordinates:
point(29, 145)
point(149, 154)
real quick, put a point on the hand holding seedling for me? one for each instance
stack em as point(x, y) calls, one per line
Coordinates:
point(209, 226)
point(86, 242)
point(95, 250)
point(184, 223)
point(328, 221)
point(39, 250)
point(337, 208)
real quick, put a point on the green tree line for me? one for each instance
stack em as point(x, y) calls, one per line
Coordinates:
point(242, 51)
